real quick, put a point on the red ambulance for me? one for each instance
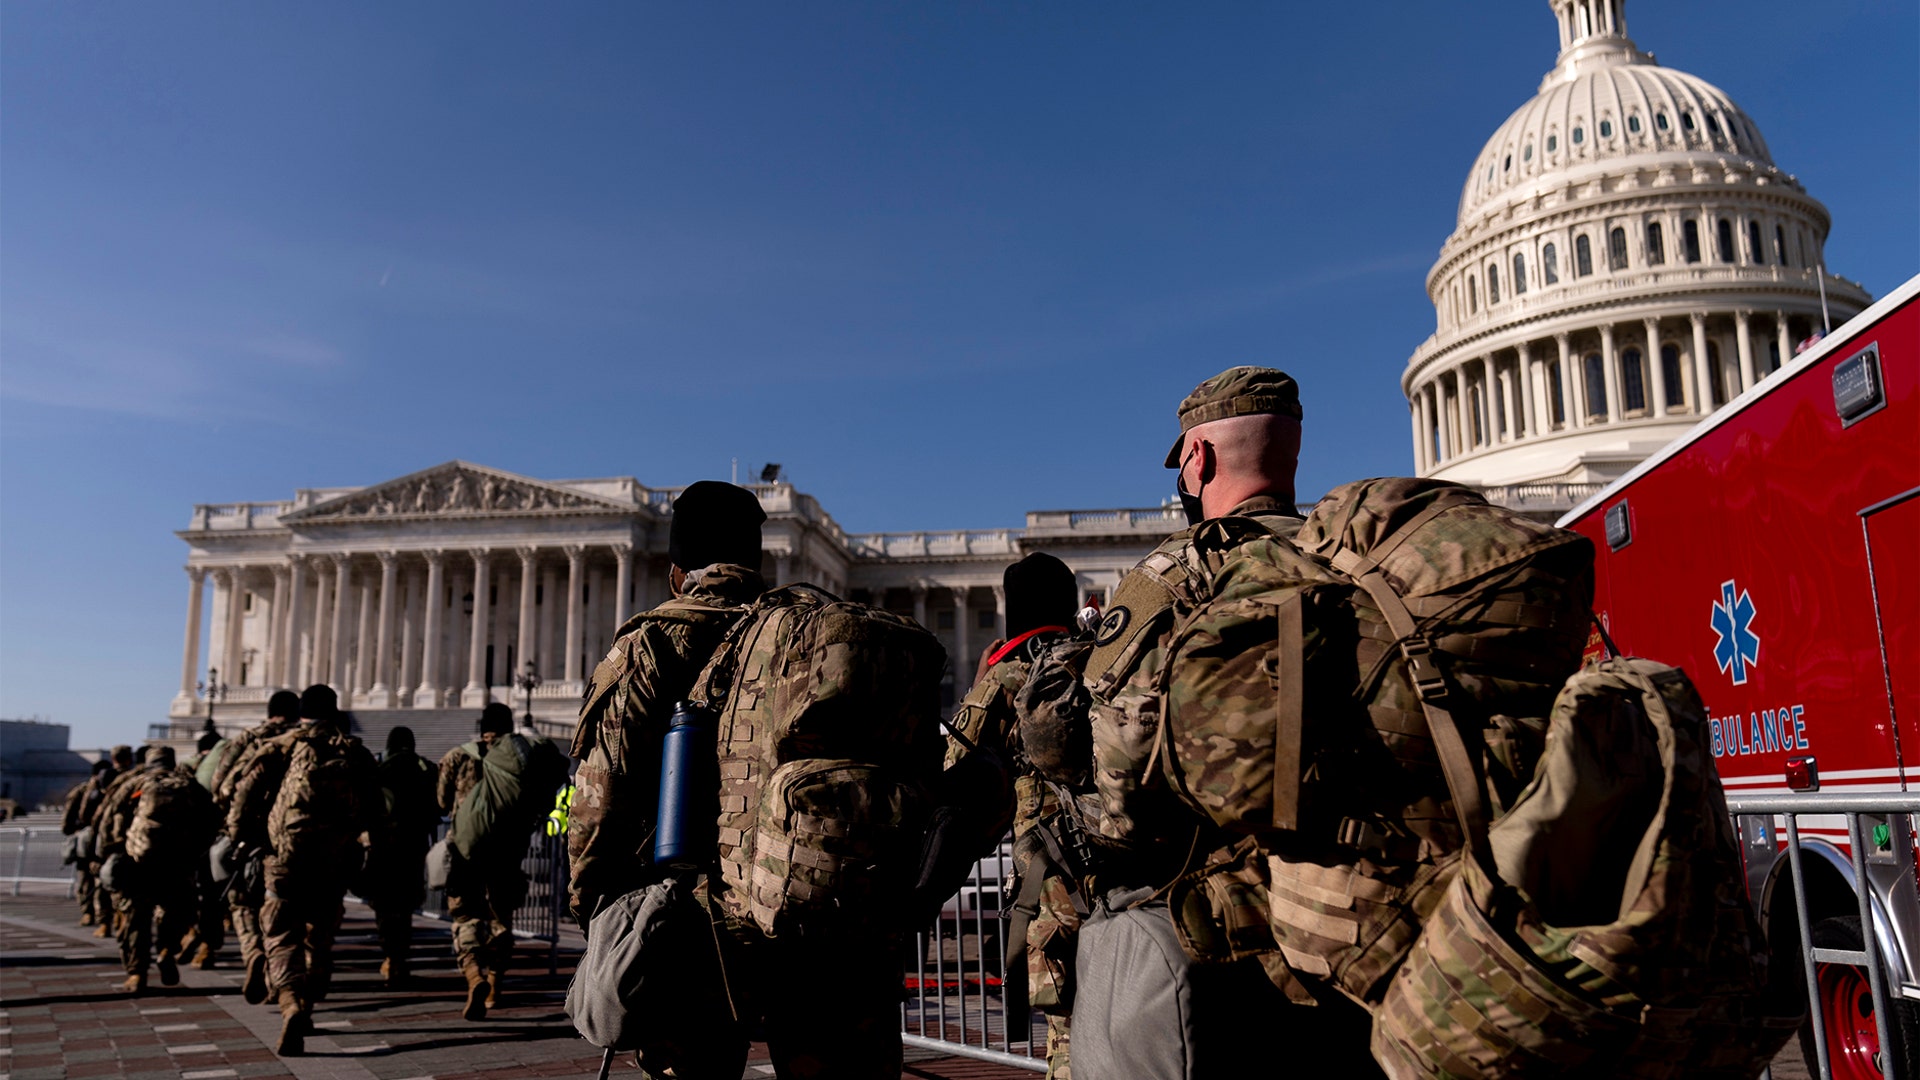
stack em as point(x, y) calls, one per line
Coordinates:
point(1774, 554)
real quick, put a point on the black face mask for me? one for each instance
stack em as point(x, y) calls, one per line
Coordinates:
point(1188, 503)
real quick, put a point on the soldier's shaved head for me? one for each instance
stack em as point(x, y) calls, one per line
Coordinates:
point(1225, 462)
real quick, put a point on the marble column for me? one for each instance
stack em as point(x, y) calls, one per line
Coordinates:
point(1573, 384)
point(427, 694)
point(576, 564)
point(190, 657)
point(1785, 336)
point(1508, 410)
point(363, 643)
point(277, 631)
point(919, 591)
point(217, 633)
point(1655, 368)
point(410, 637)
point(236, 623)
point(1445, 409)
point(324, 582)
point(1702, 375)
point(1423, 416)
point(548, 649)
point(1430, 425)
point(622, 584)
point(342, 597)
point(291, 673)
point(1000, 610)
point(476, 690)
point(380, 695)
point(1610, 368)
point(1413, 418)
point(1529, 381)
point(528, 636)
point(1743, 337)
point(1462, 410)
point(963, 658)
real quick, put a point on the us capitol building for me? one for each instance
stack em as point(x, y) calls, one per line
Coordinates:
point(422, 598)
point(1627, 258)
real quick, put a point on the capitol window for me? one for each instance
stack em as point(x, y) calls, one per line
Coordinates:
point(1582, 257)
point(1596, 386)
point(1723, 235)
point(1519, 273)
point(1780, 245)
point(1527, 154)
point(1633, 123)
point(1753, 242)
point(1493, 285)
point(1686, 120)
point(1690, 235)
point(1553, 143)
point(1713, 125)
point(1555, 398)
point(1670, 371)
point(1617, 249)
point(1473, 296)
point(1656, 244)
point(1507, 164)
point(1633, 381)
point(1579, 136)
point(1660, 121)
point(1550, 264)
point(1606, 129)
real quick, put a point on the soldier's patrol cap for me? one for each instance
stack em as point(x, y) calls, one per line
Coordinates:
point(714, 522)
point(1237, 391)
point(123, 752)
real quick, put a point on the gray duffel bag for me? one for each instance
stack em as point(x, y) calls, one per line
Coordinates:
point(1145, 1010)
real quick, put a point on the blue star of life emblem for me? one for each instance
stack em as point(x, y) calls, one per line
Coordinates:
point(1739, 647)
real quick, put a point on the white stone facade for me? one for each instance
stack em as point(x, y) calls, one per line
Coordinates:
point(435, 590)
point(1627, 258)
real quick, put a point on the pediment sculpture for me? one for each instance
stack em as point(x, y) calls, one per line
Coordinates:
point(457, 491)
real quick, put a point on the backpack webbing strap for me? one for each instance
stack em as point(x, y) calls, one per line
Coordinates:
point(1289, 706)
point(1463, 779)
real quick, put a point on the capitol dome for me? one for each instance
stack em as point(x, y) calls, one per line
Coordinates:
point(1627, 258)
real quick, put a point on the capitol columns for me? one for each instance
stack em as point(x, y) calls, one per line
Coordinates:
point(1508, 406)
point(476, 691)
point(1000, 610)
point(576, 629)
point(1786, 337)
point(919, 591)
point(427, 696)
point(290, 660)
point(236, 623)
point(277, 630)
point(1702, 374)
point(962, 618)
point(1610, 369)
point(381, 695)
point(1419, 456)
point(622, 584)
point(1572, 383)
point(1656, 368)
point(1743, 335)
point(529, 650)
point(190, 659)
point(1523, 361)
point(337, 651)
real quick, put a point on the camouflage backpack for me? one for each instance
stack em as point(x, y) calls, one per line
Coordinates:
point(172, 818)
point(325, 796)
point(826, 725)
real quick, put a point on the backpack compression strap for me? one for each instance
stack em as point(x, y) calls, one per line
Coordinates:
point(1463, 779)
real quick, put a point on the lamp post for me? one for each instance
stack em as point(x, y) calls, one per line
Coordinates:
point(527, 681)
point(214, 690)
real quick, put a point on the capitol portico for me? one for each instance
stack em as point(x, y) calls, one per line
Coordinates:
point(436, 590)
point(1627, 259)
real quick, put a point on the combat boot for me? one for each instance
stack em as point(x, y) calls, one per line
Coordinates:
point(169, 970)
point(493, 989)
point(135, 984)
point(103, 930)
point(255, 988)
point(295, 1022)
point(86, 918)
point(476, 989)
point(393, 972)
point(203, 957)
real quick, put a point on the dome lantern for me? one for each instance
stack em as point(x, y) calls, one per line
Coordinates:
point(1593, 33)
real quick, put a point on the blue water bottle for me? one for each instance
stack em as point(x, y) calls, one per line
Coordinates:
point(684, 834)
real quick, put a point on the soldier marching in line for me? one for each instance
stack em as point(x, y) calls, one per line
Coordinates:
point(1047, 902)
point(155, 827)
point(83, 805)
point(397, 850)
point(246, 895)
point(306, 796)
point(209, 927)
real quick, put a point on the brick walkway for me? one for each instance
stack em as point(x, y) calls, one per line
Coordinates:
point(62, 1014)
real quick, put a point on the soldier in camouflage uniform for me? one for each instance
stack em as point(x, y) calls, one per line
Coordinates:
point(160, 824)
point(243, 904)
point(82, 806)
point(715, 551)
point(397, 850)
point(308, 796)
point(1236, 456)
point(1041, 593)
point(486, 885)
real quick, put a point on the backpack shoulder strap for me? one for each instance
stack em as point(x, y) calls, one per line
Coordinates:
point(1463, 778)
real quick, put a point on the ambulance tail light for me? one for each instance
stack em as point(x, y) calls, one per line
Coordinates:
point(1803, 774)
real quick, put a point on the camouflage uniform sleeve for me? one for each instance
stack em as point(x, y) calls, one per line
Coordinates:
point(70, 821)
point(226, 774)
point(253, 791)
point(447, 785)
point(618, 744)
point(986, 719)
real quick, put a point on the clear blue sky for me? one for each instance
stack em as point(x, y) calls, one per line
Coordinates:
point(946, 262)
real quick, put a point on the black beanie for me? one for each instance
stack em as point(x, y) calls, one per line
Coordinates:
point(400, 738)
point(284, 703)
point(496, 718)
point(715, 523)
point(320, 704)
point(1041, 591)
point(208, 740)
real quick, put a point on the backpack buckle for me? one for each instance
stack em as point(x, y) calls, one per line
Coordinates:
point(1427, 680)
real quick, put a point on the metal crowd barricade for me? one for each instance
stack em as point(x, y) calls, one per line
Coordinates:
point(38, 856)
point(956, 998)
point(1851, 806)
point(544, 911)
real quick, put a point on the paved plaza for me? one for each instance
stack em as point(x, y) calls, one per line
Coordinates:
point(63, 1015)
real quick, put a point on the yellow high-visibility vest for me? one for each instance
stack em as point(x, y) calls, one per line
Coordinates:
point(562, 805)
